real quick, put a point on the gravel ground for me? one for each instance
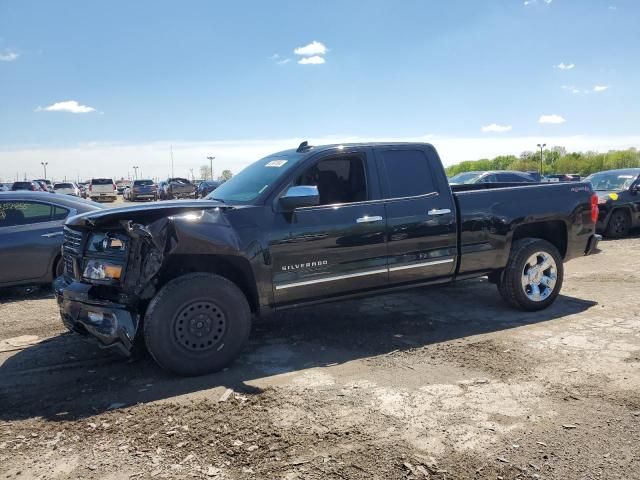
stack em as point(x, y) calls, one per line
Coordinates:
point(441, 383)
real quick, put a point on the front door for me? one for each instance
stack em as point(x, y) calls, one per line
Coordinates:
point(338, 246)
point(421, 221)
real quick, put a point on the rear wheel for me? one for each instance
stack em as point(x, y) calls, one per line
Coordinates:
point(58, 268)
point(533, 276)
point(618, 225)
point(197, 324)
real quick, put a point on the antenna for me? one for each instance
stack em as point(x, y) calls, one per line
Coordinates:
point(304, 146)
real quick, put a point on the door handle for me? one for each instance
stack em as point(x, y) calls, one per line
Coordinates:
point(367, 219)
point(441, 211)
point(51, 234)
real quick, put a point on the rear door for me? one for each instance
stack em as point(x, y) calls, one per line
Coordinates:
point(30, 238)
point(421, 221)
point(336, 247)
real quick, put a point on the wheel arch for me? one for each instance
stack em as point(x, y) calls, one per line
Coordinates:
point(554, 232)
point(234, 268)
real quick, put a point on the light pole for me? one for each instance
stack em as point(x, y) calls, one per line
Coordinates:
point(135, 172)
point(211, 159)
point(541, 146)
point(44, 165)
point(193, 179)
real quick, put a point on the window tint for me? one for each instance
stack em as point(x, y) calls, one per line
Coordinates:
point(101, 181)
point(60, 213)
point(62, 185)
point(408, 173)
point(23, 213)
point(143, 182)
point(339, 180)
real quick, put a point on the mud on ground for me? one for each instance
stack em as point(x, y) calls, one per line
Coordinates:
point(441, 383)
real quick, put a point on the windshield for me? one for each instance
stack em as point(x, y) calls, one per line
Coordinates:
point(251, 182)
point(611, 181)
point(467, 177)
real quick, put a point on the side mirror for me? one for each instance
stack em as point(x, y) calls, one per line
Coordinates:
point(300, 196)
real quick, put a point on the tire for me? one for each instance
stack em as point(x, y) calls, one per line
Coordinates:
point(517, 285)
point(58, 268)
point(619, 224)
point(183, 340)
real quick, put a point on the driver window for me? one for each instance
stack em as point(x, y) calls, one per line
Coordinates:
point(339, 180)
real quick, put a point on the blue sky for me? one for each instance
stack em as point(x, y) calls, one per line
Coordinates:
point(207, 75)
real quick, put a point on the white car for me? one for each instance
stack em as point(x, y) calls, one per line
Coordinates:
point(66, 188)
point(102, 189)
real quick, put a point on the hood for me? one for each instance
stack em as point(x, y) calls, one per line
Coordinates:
point(142, 213)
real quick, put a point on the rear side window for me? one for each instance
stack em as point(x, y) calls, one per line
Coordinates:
point(60, 213)
point(24, 213)
point(408, 173)
point(101, 181)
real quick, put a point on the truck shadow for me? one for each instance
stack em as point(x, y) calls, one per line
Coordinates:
point(67, 378)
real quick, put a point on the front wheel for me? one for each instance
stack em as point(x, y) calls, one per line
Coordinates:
point(197, 324)
point(618, 225)
point(533, 276)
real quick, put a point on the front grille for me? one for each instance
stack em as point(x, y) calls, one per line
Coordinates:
point(72, 241)
point(71, 250)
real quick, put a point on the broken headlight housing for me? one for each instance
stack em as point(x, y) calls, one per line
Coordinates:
point(105, 257)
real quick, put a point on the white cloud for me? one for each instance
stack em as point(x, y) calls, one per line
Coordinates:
point(495, 128)
point(553, 118)
point(600, 88)
point(565, 66)
point(315, 60)
point(71, 106)
point(572, 89)
point(283, 61)
point(8, 56)
point(275, 56)
point(114, 159)
point(312, 49)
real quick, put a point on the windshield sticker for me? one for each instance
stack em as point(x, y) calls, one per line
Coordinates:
point(276, 163)
point(625, 176)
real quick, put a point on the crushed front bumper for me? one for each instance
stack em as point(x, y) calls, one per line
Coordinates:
point(592, 244)
point(111, 324)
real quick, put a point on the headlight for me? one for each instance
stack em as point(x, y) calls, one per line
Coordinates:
point(98, 269)
point(112, 243)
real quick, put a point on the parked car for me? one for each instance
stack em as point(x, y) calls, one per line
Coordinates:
point(304, 226)
point(496, 176)
point(206, 187)
point(102, 189)
point(162, 190)
point(66, 188)
point(121, 185)
point(5, 187)
point(26, 185)
point(561, 177)
point(619, 200)
point(31, 230)
point(179, 188)
point(46, 184)
point(142, 190)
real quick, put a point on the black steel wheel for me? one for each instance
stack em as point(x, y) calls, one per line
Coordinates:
point(197, 324)
point(618, 225)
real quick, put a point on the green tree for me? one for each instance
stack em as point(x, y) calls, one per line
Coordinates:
point(225, 175)
point(205, 172)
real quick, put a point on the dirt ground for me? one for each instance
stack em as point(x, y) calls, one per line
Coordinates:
point(441, 383)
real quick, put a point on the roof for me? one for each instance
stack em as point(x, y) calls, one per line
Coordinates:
point(54, 198)
point(312, 149)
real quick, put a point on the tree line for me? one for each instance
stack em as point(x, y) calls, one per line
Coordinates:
point(554, 160)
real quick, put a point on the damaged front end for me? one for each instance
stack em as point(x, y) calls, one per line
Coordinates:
point(112, 262)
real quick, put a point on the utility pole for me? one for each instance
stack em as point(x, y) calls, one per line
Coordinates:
point(211, 159)
point(135, 172)
point(172, 174)
point(44, 165)
point(541, 146)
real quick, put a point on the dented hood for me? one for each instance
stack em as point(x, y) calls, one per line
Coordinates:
point(142, 213)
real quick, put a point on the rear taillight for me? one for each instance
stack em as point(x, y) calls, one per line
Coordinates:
point(90, 187)
point(594, 208)
point(114, 187)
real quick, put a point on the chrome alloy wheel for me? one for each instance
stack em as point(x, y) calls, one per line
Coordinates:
point(539, 276)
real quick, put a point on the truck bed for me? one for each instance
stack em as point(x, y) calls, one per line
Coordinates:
point(490, 215)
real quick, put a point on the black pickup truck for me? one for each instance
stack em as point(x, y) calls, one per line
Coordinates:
point(303, 226)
